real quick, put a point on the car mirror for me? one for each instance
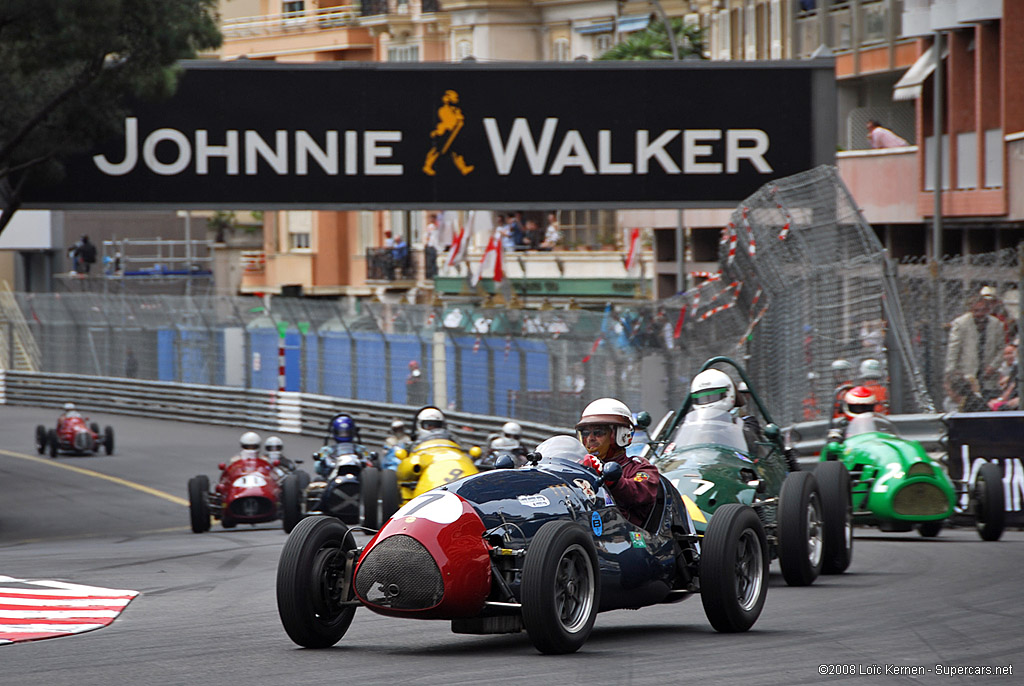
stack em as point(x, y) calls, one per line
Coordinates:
point(643, 420)
point(534, 457)
point(611, 473)
point(475, 451)
point(504, 462)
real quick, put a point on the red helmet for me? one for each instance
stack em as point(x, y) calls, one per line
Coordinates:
point(858, 400)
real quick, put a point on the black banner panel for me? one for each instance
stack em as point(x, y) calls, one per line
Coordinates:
point(373, 135)
point(979, 437)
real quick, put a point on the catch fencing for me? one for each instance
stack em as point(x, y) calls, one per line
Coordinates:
point(803, 281)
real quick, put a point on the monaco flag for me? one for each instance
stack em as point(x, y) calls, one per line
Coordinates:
point(31, 610)
point(491, 260)
point(633, 258)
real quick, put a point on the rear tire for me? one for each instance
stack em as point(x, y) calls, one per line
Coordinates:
point(390, 496)
point(734, 568)
point(310, 577)
point(560, 589)
point(369, 491)
point(40, 439)
point(989, 502)
point(108, 440)
point(291, 502)
point(51, 443)
point(198, 505)
point(837, 511)
point(800, 529)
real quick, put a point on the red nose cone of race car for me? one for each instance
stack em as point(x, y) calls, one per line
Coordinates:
point(250, 491)
point(429, 561)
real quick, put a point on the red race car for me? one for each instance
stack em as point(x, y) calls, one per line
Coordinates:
point(249, 490)
point(75, 435)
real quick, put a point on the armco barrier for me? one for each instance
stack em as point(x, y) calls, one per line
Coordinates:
point(295, 413)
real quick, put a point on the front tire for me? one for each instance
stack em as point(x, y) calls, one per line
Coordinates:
point(800, 529)
point(560, 589)
point(40, 439)
point(52, 443)
point(390, 496)
point(988, 502)
point(108, 440)
point(369, 490)
point(930, 529)
point(310, 578)
point(198, 505)
point(291, 502)
point(734, 568)
point(837, 511)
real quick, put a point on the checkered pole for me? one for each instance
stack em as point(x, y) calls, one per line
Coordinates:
point(280, 363)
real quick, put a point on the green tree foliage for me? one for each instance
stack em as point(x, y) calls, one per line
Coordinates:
point(68, 68)
point(653, 44)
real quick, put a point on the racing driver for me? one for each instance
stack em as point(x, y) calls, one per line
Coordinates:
point(605, 429)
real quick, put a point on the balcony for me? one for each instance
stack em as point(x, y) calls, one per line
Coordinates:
point(326, 29)
point(383, 269)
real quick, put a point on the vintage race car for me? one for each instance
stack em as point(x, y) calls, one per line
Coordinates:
point(433, 460)
point(542, 548)
point(347, 486)
point(807, 516)
point(248, 491)
point(74, 435)
point(897, 486)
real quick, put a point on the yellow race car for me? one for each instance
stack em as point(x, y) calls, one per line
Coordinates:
point(432, 461)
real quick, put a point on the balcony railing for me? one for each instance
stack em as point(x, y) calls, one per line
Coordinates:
point(290, 22)
point(383, 265)
point(372, 8)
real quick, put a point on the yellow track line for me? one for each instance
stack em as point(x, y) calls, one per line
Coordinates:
point(88, 472)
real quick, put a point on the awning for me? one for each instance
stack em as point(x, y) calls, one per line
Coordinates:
point(626, 24)
point(909, 87)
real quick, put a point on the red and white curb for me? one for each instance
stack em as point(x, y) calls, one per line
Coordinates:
point(31, 610)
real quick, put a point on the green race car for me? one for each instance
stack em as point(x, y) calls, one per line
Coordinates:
point(807, 516)
point(897, 486)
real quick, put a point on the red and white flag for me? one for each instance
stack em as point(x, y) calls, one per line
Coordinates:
point(633, 258)
point(31, 610)
point(491, 260)
point(459, 249)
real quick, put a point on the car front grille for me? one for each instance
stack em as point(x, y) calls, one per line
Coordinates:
point(920, 499)
point(400, 574)
point(247, 508)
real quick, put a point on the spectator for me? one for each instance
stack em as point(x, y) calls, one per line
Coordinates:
point(389, 242)
point(400, 256)
point(431, 240)
point(534, 234)
point(963, 397)
point(1000, 312)
point(84, 255)
point(515, 230)
point(504, 231)
point(881, 137)
point(1008, 398)
point(415, 385)
point(973, 350)
point(552, 236)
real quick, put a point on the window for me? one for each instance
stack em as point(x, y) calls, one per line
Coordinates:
point(587, 228)
point(299, 226)
point(603, 43)
point(365, 231)
point(463, 49)
point(293, 6)
point(403, 53)
point(561, 50)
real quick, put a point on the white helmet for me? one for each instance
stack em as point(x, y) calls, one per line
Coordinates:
point(610, 412)
point(69, 407)
point(398, 427)
point(871, 369)
point(429, 419)
point(512, 430)
point(273, 445)
point(841, 365)
point(713, 389)
point(250, 440)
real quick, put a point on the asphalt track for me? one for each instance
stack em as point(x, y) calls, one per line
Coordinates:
point(207, 611)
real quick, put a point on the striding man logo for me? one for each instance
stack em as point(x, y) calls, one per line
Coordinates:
point(449, 124)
